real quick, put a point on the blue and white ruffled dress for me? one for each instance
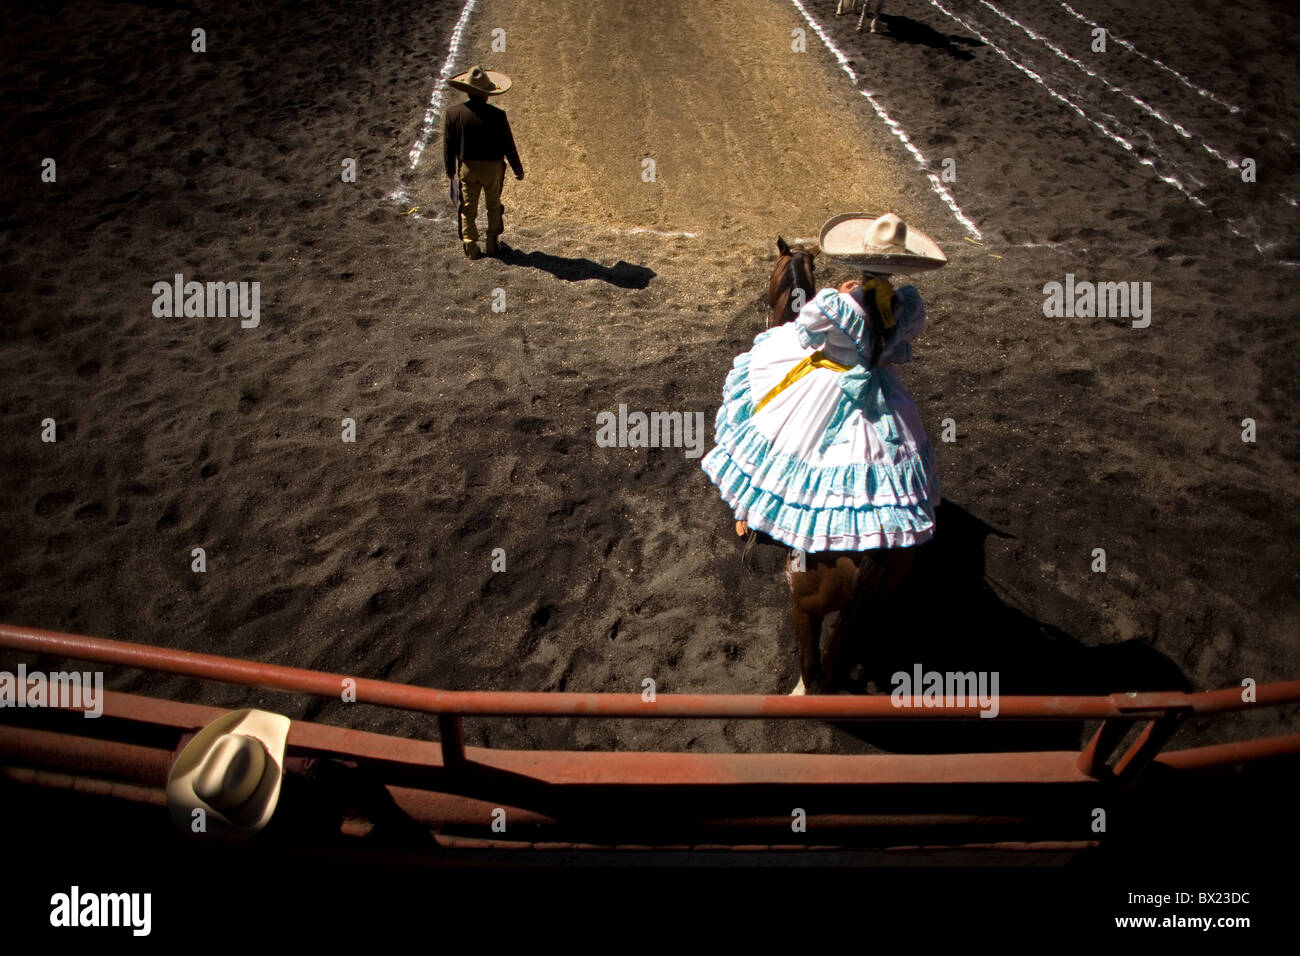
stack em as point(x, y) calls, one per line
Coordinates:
point(837, 461)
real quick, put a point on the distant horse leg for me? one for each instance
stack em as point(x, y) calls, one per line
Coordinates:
point(875, 15)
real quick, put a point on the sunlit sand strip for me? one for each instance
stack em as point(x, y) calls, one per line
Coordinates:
point(1102, 128)
point(432, 114)
point(1119, 91)
point(894, 126)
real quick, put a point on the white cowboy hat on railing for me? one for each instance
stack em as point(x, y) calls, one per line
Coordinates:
point(232, 771)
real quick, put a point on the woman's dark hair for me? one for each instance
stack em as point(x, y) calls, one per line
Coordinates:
point(876, 323)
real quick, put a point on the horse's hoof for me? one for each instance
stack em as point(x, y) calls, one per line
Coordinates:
point(799, 690)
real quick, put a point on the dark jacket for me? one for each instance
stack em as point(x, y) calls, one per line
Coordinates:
point(477, 130)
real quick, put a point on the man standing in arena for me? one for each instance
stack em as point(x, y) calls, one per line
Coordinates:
point(477, 144)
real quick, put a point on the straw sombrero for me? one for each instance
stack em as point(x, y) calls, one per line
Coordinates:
point(478, 80)
point(231, 771)
point(882, 244)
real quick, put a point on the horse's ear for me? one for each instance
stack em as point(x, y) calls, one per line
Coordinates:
point(781, 247)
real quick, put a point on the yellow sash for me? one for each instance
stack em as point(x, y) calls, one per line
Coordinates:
point(816, 360)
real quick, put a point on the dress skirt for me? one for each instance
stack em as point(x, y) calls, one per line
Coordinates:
point(872, 484)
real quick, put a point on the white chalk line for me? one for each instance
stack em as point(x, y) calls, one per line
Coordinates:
point(1232, 164)
point(434, 111)
point(1102, 128)
point(843, 60)
point(1119, 91)
point(645, 230)
point(1150, 59)
point(894, 127)
point(628, 231)
point(1170, 70)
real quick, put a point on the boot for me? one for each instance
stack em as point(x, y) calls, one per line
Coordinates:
point(472, 250)
point(490, 246)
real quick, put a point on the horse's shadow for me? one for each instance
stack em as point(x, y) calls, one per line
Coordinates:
point(907, 30)
point(625, 275)
point(948, 618)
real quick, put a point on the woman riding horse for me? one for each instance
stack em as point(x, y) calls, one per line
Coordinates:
point(819, 445)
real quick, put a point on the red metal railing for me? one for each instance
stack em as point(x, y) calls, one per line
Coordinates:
point(1162, 713)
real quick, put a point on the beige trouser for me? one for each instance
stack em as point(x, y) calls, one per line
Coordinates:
point(484, 177)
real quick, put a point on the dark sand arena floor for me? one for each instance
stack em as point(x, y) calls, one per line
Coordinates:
point(476, 429)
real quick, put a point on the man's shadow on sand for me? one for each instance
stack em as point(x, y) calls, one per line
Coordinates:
point(947, 617)
point(907, 30)
point(625, 275)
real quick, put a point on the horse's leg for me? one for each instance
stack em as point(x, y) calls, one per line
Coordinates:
point(860, 585)
point(898, 567)
point(881, 575)
point(808, 631)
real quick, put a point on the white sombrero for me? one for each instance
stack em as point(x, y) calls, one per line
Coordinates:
point(479, 80)
point(231, 771)
point(882, 244)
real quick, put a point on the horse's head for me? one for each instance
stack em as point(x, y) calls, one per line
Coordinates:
point(794, 269)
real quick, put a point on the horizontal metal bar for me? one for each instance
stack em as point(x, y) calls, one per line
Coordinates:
point(1230, 754)
point(934, 828)
point(815, 769)
point(550, 704)
point(67, 747)
point(882, 854)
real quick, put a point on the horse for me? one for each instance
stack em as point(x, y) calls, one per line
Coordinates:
point(875, 16)
point(790, 285)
